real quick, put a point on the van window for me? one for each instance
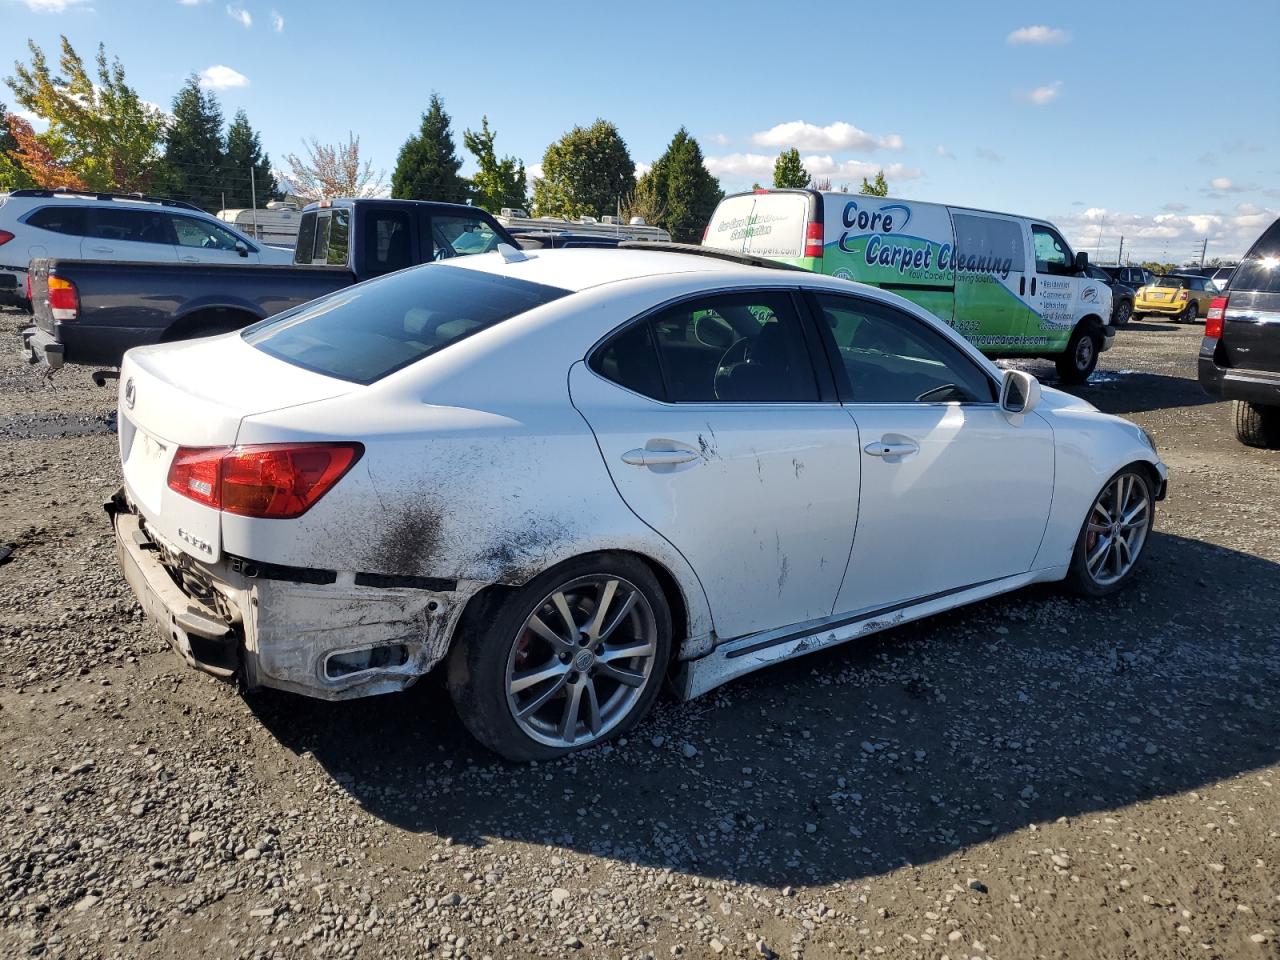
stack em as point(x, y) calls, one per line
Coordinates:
point(891, 357)
point(763, 224)
point(994, 241)
point(62, 218)
point(1260, 270)
point(1052, 253)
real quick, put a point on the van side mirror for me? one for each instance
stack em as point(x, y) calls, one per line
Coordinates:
point(1019, 394)
point(242, 248)
point(1082, 261)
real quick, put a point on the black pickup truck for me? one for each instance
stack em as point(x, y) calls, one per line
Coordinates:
point(1240, 353)
point(91, 312)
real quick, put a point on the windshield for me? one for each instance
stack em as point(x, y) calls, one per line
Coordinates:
point(365, 332)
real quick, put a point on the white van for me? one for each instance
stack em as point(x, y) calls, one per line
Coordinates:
point(1009, 284)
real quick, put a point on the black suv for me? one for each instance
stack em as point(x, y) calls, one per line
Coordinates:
point(1122, 294)
point(1240, 354)
point(1130, 276)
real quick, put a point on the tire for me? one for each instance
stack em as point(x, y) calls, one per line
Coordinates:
point(1190, 314)
point(494, 664)
point(1257, 425)
point(1077, 363)
point(1094, 575)
point(1123, 314)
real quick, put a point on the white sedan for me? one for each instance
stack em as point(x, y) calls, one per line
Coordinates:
point(570, 474)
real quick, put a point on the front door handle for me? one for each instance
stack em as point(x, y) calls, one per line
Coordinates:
point(883, 448)
point(1033, 286)
point(643, 457)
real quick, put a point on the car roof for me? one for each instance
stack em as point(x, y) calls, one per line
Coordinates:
point(579, 268)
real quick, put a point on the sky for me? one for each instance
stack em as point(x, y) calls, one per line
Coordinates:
point(1156, 121)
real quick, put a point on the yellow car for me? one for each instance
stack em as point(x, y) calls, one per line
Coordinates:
point(1183, 298)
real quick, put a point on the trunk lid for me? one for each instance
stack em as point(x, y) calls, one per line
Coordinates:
point(1251, 330)
point(195, 394)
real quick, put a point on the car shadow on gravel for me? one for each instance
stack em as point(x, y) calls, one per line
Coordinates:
point(900, 750)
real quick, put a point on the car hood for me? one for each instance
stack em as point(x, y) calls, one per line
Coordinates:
point(1060, 401)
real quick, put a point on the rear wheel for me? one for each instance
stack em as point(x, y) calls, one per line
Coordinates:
point(1190, 314)
point(574, 658)
point(1078, 361)
point(1113, 536)
point(1257, 425)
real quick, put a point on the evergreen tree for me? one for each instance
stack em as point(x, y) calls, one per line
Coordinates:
point(588, 171)
point(685, 190)
point(192, 166)
point(500, 183)
point(788, 171)
point(879, 187)
point(427, 168)
point(244, 154)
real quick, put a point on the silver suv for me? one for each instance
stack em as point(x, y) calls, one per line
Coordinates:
point(113, 226)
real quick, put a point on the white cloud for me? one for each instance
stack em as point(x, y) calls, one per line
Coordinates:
point(834, 136)
point(740, 165)
point(1227, 185)
point(720, 140)
point(277, 22)
point(943, 152)
point(1170, 236)
point(52, 6)
point(759, 166)
point(240, 15)
point(1040, 34)
point(38, 123)
point(642, 169)
point(1221, 183)
point(221, 77)
point(1046, 94)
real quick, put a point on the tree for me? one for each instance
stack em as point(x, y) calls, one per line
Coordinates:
point(12, 175)
point(682, 187)
point(588, 172)
point(875, 188)
point(244, 159)
point(499, 183)
point(34, 163)
point(788, 171)
point(427, 168)
point(191, 168)
point(333, 171)
point(644, 202)
point(99, 127)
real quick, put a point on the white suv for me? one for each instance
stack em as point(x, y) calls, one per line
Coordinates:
point(109, 226)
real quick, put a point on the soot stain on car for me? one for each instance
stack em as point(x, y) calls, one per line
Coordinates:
point(410, 541)
point(521, 554)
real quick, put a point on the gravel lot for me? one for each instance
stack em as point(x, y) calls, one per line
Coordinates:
point(1035, 776)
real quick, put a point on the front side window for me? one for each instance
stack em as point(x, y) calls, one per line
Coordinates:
point(1052, 255)
point(61, 218)
point(129, 226)
point(365, 332)
point(461, 237)
point(195, 232)
point(891, 357)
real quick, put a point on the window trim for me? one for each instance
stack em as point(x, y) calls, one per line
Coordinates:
point(841, 375)
point(826, 385)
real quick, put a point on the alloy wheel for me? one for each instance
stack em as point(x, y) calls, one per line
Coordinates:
point(1117, 529)
point(581, 661)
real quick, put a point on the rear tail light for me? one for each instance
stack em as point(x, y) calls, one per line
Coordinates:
point(64, 301)
point(277, 481)
point(5, 237)
point(1213, 319)
point(1183, 295)
point(813, 239)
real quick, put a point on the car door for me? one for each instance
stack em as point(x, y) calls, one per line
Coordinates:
point(202, 241)
point(991, 280)
point(953, 494)
point(722, 435)
point(122, 233)
point(1055, 287)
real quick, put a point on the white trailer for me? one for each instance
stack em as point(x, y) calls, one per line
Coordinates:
point(275, 224)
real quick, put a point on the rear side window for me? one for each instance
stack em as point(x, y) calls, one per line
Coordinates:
point(387, 241)
point(1259, 271)
point(59, 219)
point(339, 238)
point(130, 226)
point(365, 332)
point(306, 238)
point(997, 241)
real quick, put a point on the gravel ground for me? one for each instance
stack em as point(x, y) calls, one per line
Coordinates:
point(1035, 776)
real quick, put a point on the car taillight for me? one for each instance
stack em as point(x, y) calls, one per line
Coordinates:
point(64, 301)
point(1213, 319)
point(5, 237)
point(1183, 295)
point(813, 239)
point(276, 481)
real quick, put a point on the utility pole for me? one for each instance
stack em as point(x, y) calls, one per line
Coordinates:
point(1204, 248)
point(1120, 253)
point(253, 199)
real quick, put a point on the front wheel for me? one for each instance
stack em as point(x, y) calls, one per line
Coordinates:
point(1123, 312)
point(1114, 534)
point(1077, 363)
point(572, 659)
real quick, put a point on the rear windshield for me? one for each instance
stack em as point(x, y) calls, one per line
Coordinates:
point(365, 332)
point(1260, 270)
point(1169, 282)
point(764, 224)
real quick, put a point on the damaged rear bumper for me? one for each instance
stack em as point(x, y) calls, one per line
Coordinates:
point(334, 640)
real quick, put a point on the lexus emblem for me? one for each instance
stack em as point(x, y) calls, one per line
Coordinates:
point(130, 393)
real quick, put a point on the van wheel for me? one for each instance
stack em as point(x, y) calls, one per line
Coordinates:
point(1257, 425)
point(572, 659)
point(1077, 363)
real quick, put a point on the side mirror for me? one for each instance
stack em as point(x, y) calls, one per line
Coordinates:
point(1082, 261)
point(1019, 394)
point(242, 248)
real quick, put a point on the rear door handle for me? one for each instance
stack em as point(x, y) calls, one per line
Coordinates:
point(190, 259)
point(643, 457)
point(882, 448)
point(102, 249)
